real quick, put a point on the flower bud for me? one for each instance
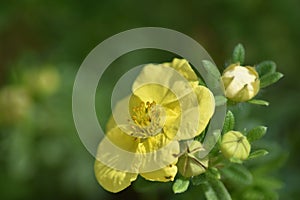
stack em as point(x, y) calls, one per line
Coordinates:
point(190, 164)
point(240, 83)
point(43, 82)
point(235, 145)
point(15, 104)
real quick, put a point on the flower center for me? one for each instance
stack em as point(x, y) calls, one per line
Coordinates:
point(141, 113)
point(148, 120)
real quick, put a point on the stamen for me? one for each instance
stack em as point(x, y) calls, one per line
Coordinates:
point(147, 120)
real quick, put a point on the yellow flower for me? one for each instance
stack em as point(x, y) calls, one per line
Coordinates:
point(240, 83)
point(235, 145)
point(167, 105)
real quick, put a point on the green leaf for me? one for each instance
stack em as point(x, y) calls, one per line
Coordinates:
point(197, 180)
point(258, 192)
point(201, 136)
point(238, 54)
point(229, 122)
point(272, 162)
point(235, 160)
point(180, 185)
point(265, 67)
point(256, 133)
point(237, 174)
point(214, 189)
point(220, 100)
point(258, 102)
point(269, 182)
point(201, 82)
point(209, 192)
point(258, 153)
point(211, 69)
point(269, 79)
point(213, 173)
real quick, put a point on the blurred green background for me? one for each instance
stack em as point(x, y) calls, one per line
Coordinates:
point(42, 44)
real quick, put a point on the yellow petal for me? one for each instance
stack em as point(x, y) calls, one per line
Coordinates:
point(112, 180)
point(119, 151)
point(195, 115)
point(183, 67)
point(122, 112)
point(160, 83)
point(154, 143)
point(122, 140)
point(172, 122)
point(155, 92)
point(150, 86)
point(164, 175)
point(206, 106)
point(157, 151)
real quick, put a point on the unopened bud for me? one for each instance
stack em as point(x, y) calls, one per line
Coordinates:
point(190, 164)
point(235, 145)
point(240, 83)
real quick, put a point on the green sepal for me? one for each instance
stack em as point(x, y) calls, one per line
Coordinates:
point(189, 163)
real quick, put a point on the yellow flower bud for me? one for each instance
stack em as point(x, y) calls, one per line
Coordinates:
point(43, 82)
point(189, 164)
point(15, 104)
point(240, 83)
point(235, 145)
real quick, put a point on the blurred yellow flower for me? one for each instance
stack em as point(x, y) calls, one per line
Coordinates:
point(157, 108)
point(15, 104)
point(42, 82)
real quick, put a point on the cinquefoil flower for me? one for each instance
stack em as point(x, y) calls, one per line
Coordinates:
point(167, 105)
